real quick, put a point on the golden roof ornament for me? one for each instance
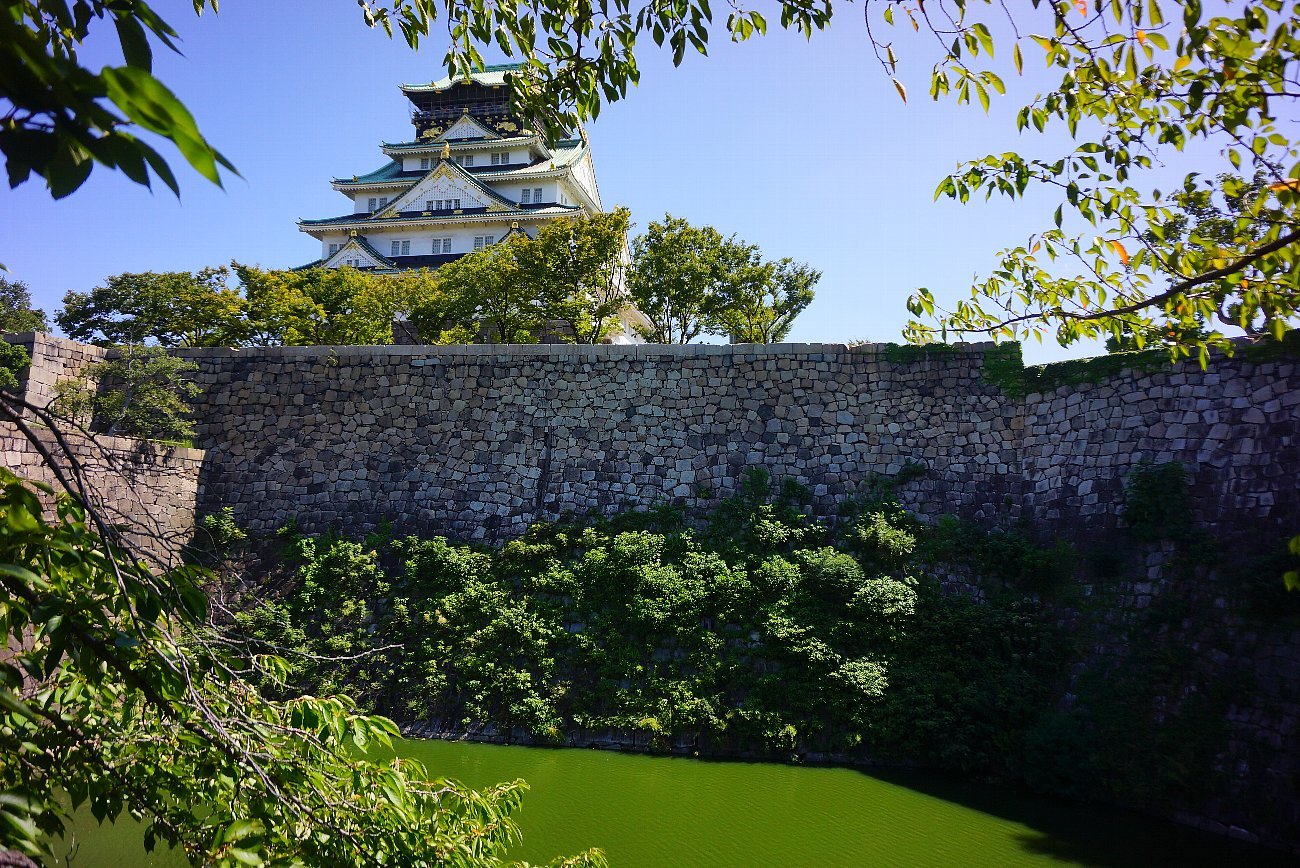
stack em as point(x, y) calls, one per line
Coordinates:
point(352, 233)
point(446, 151)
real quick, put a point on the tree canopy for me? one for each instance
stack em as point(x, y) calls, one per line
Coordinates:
point(575, 266)
point(315, 306)
point(689, 280)
point(174, 309)
point(676, 275)
point(1140, 85)
point(140, 392)
point(16, 311)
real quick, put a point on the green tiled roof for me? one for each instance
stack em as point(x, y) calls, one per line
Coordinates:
point(433, 146)
point(325, 221)
point(508, 214)
point(365, 245)
point(391, 172)
point(492, 74)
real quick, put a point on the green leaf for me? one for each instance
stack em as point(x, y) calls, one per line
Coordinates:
point(135, 44)
point(14, 705)
point(145, 101)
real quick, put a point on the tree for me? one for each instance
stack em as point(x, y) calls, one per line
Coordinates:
point(319, 306)
point(758, 301)
point(576, 267)
point(140, 392)
point(676, 272)
point(16, 311)
point(117, 692)
point(497, 297)
point(1140, 83)
point(171, 309)
point(440, 316)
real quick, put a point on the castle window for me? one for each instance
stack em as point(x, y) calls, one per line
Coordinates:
point(481, 241)
point(334, 248)
point(537, 195)
point(501, 159)
point(372, 204)
point(400, 248)
point(528, 196)
point(426, 162)
point(466, 160)
point(442, 245)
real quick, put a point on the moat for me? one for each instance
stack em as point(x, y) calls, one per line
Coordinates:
point(656, 811)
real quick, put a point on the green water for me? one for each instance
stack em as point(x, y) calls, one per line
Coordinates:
point(656, 811)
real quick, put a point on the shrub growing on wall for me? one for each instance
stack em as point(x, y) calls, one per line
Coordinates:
point(141, 392)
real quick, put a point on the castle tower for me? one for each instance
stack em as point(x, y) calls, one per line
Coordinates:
point(472, 175)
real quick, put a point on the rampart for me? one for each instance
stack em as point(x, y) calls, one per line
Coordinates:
point(151, 487)
point(478, 442)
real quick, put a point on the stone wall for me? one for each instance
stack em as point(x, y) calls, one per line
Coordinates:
point(53, 359)
point(478, 442)
point(1235, 428)
point(150, 486)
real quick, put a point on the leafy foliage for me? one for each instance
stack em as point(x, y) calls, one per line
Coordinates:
point(63, 118)
point(323, 306)
point(118, 695)
point(677, 271)
point(14, 361)
point(222, 531)
point(1141, 82)
point(485, 291)
point(138, 392)
point(648, 628)
point(575, 267)
point(566, 284)
point(16, 311)
point(688, 280)
point(760, 300)
point(173, 309)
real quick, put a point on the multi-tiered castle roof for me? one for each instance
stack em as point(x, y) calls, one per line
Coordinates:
point(472, 175)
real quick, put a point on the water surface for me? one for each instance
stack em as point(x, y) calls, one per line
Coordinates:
point(657, 811)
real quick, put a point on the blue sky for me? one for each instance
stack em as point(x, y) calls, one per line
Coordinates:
point(801, 147)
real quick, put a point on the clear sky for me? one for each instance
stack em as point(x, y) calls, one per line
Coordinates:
point(801, 147)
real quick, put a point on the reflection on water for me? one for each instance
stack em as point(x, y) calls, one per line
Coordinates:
point(655, 811)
